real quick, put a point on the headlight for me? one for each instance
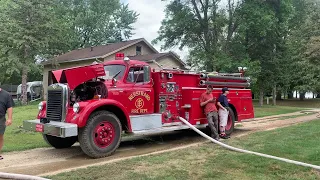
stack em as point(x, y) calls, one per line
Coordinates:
point(76, 107)
point(40, 106)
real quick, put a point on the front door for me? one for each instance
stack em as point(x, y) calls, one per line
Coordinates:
point(141, 93)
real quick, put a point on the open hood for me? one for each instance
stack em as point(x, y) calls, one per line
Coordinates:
point(77, 75)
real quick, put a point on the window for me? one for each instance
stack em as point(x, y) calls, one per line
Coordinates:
point(146, 74)
point(138, 50)
point(112, 70)
point(139, 74)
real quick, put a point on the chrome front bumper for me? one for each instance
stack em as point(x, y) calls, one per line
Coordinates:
point(59, 129)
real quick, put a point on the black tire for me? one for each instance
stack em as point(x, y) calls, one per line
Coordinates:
point(233, 119)
point(60, 143)
point(87, 135)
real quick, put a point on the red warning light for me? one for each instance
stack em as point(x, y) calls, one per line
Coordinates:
point(119, 56)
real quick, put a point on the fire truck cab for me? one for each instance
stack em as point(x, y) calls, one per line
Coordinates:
point(95, 104)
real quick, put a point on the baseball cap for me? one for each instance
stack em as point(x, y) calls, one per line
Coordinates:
point(225, 89)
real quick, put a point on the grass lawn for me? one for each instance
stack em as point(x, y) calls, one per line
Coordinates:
point(268, 110)
point(210, 161)
point(307, 103)
point(17, 139)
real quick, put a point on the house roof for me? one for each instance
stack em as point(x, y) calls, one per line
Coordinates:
point(97, 52)
point(156, 57)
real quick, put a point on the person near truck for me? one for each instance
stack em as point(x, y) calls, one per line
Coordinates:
point(223, 112)
point(6, 107)
point(209, 103)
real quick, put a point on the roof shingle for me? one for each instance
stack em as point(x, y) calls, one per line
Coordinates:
point(94, 52)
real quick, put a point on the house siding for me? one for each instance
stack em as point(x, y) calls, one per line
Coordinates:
point(167, 62)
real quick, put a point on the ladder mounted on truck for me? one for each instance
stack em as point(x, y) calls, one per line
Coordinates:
point(231, 80)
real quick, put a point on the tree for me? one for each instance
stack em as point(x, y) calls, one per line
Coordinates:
point(39, 29)
point(263, 31)
point(303, 44)
point(96, 22)
point(26, 29)
point(193, 24)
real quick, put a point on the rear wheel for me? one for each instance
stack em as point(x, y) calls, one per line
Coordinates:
point(230, 122)
point(58, 142)
point(101, 136)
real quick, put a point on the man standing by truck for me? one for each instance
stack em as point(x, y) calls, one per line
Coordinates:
point(6, 104)
point(209, 103)
point(223, 112)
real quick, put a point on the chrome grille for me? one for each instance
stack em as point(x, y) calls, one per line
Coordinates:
point(57, 102)
point(54, 105)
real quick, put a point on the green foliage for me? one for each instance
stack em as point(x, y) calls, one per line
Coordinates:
point(303, 46)
point(96, 22)
point(196, 25)
point(279, 39)
point(36, 30)
point(27, 27)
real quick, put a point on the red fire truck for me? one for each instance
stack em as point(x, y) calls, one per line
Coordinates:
point(96, 104)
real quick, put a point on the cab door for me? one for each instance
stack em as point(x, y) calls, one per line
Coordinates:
point(140, 93)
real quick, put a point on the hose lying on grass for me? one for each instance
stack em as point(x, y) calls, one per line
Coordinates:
point(19, 176)
point(245, 151)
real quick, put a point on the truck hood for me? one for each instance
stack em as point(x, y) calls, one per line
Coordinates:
point(78, 75)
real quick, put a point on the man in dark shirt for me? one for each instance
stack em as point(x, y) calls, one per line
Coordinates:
point(223, 112)
point(209, 103)
point(6, 104)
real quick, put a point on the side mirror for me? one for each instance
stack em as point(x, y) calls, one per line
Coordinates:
point(114, 82)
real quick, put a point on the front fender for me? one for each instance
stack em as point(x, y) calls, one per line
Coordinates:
point(87, 107)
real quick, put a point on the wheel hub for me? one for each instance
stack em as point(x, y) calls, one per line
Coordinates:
point(104, 134)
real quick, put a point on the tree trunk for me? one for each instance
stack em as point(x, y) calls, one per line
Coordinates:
point(296, 94)
point(24, 85)
point(261, 97)
point(290, 95)
point(274, 95)
point(302, 96)
point(279, 95)
point(24, 77)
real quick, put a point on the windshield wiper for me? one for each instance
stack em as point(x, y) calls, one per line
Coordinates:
point(116, 74)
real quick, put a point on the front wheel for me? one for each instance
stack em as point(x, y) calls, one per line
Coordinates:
point(101, 136)
point(230, 122)
point(60, 143)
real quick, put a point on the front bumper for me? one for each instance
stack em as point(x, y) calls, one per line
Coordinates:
point(59, 129)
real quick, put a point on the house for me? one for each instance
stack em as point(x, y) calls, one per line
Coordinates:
point(137, 49)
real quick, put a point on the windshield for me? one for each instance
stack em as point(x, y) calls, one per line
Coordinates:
point(112, 70)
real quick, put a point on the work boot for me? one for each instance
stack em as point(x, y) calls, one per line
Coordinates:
point(224, 136)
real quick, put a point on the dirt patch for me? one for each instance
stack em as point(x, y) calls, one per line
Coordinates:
point(49, 161)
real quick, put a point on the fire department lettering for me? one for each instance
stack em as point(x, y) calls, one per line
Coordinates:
point(139, 103)
point(139, 93)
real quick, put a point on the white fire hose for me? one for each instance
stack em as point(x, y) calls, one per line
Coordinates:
point(20, 176)
point(28, 177)
point(248, 152)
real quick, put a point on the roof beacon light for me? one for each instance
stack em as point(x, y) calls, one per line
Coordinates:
point(126, 59)
point(119, 56)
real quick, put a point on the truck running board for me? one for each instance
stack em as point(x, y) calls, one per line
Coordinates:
point(166, 129)
point(147, 124)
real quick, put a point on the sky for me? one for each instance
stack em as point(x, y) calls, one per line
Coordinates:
point(149, 21)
